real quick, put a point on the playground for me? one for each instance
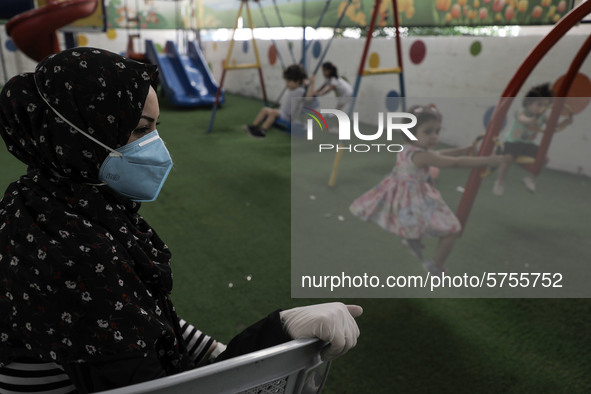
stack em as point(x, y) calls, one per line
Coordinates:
point(246, 218)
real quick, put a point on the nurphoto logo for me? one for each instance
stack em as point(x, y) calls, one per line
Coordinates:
point(395, 121)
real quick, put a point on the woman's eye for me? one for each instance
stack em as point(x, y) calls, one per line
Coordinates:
point(141, 130)
point(145, 129)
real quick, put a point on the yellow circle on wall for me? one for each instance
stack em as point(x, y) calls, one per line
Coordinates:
point(111, 34)
point(374, 60)
point(82, 40)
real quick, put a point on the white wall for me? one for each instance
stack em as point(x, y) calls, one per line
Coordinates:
point(448, 76)
point(448, 72)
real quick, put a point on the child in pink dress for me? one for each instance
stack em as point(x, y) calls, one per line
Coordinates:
point(407, 204)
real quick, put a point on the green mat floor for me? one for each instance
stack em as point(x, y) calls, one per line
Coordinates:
point(225, 214)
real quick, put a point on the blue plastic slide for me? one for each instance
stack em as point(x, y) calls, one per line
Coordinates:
point(186, 79)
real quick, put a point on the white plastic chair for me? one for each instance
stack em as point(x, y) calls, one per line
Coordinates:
point(293, 367)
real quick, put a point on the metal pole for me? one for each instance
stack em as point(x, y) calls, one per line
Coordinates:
point(562, 93)
point(496, 122)
point(228, 55)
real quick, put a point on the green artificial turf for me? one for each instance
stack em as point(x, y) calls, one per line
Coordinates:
point(225, 214)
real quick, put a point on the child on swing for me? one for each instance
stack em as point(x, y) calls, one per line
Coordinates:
point(520, 141)
point(294, 77)
point(343, 90)
point(407, 204)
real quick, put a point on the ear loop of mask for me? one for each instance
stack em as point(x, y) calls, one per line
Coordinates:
point(113, 152)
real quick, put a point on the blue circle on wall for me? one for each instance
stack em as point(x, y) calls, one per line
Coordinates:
point(316, 49)
point(488, 116)
point(245, 46)
point(9, 45)
point(392, 100)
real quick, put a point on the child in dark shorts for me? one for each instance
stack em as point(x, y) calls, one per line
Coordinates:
point(520, 141)
point(517, 149)
point(295, 77)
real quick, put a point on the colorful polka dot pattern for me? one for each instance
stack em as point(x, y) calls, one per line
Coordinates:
point(316, 49)
point(392, 100)
point(374, 60)
point(418, 50)
point(417, 54)
point(579, 93)
point(475, 48)
point(272, 55)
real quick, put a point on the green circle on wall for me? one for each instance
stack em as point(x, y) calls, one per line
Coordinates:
point(475, 48)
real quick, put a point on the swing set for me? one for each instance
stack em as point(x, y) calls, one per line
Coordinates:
point(307, 44)
point(227, 64)
point(558, 104)
point(363, 71)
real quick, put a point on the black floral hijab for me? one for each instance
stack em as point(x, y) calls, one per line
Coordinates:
point(82, 275)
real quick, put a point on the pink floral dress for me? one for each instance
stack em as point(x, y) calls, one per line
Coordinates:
point(406, 203)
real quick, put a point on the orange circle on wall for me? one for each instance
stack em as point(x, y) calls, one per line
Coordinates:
point(579, 94)
point(272, 54)
point(374, 60)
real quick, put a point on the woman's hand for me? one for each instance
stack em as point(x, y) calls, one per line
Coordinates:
point(332, 322)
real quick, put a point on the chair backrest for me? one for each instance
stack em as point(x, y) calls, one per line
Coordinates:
point(293, 367)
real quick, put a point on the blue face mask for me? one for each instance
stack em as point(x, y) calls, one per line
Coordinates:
point(136, 170)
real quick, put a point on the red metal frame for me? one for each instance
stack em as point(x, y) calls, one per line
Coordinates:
point(226, 66)
point(361, 72)
point(397, 36)
point(560, 95)
point(34, 31)
point(523, 72)
point(372, 26)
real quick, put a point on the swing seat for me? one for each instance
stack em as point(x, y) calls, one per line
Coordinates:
point(296, 129)
point(282, 124)
point(486, 172)
point(522, 160)
point(525, 160)
point(290, 368)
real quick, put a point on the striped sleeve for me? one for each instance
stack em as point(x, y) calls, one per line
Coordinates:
point(33, 377)
point(50, 378)
point(199, 345)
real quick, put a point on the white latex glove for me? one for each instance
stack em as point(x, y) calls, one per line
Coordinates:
point(332, 322)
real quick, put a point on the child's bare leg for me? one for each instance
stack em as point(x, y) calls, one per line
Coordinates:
point(263, 113)
point(444, 248)
point(504, 168)
point(272, 114)
point(415, 246)
point(529, 181)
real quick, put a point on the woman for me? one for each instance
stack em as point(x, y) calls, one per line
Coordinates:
point(85, 282)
